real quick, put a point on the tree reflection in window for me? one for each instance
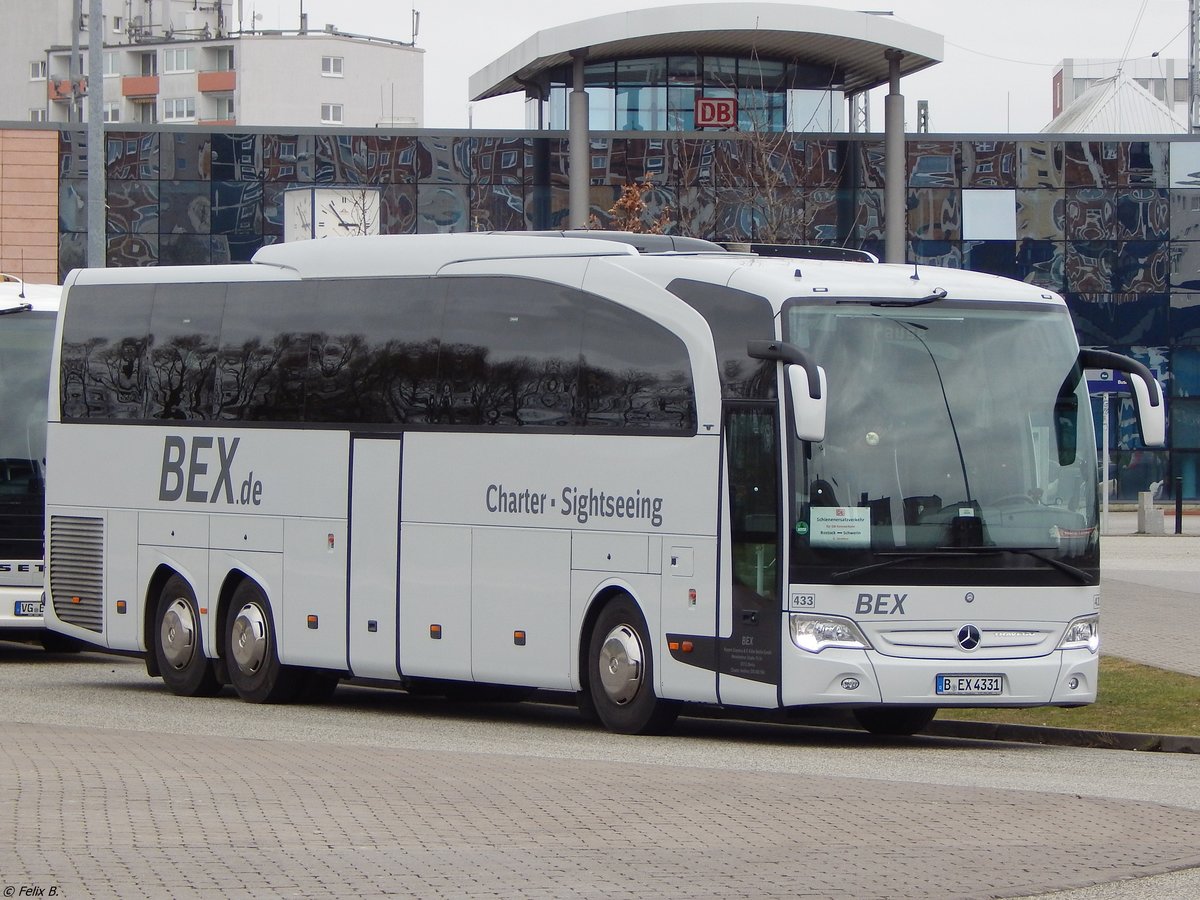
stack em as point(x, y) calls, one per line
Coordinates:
point(466, 352)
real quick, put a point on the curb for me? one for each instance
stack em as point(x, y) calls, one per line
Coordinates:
point(1064, 737)
point(843, 720)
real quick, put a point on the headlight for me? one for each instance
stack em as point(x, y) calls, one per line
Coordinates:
point(816, 633)
point(1082, 633)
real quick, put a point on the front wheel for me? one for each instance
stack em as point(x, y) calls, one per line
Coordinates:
point(178, 644)
point(250, 647)
point(895, 721)
point(620, 672)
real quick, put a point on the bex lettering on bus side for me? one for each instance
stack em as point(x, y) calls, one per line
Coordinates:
point(192, 487)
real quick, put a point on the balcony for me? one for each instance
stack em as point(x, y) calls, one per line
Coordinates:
point(216, 82)
point(139, 86)
point(60, 88)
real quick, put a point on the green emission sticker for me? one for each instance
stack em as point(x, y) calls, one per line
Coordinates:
point(801, 528)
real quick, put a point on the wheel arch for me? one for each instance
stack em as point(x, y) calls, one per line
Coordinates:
point(158, 578)
point(233, 578)
point(601, 598)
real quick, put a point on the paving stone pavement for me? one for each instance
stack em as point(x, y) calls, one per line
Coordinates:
point(104, 813)
point(1150, 590)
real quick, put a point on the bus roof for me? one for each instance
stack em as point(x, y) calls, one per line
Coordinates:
point(422, 254)
point(780, 278)
point(39, 297)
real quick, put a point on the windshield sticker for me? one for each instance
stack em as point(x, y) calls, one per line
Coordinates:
point(840, 526)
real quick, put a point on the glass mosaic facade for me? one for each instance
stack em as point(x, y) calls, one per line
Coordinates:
point(1112, 225)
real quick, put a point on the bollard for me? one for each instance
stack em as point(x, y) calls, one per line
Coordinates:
point(1149, 517)
point(1179, 504)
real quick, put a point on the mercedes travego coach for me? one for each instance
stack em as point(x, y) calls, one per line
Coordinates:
point(27, 314)
point(547, 462)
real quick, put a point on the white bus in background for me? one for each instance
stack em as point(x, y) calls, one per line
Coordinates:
point(27, 315)
point(539, 462)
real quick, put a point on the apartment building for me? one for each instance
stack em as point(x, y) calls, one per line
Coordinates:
point(198, 62)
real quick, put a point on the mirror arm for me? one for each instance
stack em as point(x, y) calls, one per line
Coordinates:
point(1106, 359)
point(787, 353)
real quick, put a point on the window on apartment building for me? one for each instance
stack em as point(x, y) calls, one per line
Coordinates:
point(177, 59)
point(37, 115)
point(178, 108)
point(112, 111)
point(112, 64)
point(331, 66)
point(223, 59)
point(118, 24)
point(37, 70)
point(149, 63)
point(147, 113)
point(222, 108)
point(331, 114)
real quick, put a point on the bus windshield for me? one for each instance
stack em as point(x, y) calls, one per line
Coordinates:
point(950, 429)
point(25, 339)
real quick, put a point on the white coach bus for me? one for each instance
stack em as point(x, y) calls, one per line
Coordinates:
point(553, 463)
point(27, 314)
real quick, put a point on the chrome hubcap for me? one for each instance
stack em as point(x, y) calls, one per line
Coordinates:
point(249, 639)
point(178, 634)
point(621, 664)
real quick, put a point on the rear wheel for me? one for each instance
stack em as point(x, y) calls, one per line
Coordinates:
point(178, 642)
point(895, 720)
point(250, 647)
point(621, 672)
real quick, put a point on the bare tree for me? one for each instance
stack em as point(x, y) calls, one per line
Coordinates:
point(630, 212)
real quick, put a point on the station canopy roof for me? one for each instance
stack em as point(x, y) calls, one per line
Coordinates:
point(851, 44)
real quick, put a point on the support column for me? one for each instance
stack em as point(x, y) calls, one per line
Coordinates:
point(97, 218)
point(580, 165)
point(895, 197)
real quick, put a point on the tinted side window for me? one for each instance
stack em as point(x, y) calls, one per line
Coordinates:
point(374, 350)
point(262, 359)
point(182, 352)
point(734, 317)
point(509, 353)
point(635, 374)
point(348, 351)
point(105, 337)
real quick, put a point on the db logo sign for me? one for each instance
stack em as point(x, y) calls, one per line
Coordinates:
point(716, 112)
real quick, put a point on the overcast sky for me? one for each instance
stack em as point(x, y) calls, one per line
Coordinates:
point(999, 54)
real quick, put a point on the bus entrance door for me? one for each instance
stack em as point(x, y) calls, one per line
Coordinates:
point(748, 660)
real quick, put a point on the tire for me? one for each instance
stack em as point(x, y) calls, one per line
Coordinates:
point(179, 642)
point(895, 721)
point(250, 649)
point(620, 672)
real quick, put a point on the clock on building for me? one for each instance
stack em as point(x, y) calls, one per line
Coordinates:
point(320, 212)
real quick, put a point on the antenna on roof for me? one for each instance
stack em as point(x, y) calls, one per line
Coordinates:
point(915, 276)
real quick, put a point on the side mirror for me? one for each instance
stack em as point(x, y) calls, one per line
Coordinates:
point(808, 412)
point(1147, 392)
point(1152, 416)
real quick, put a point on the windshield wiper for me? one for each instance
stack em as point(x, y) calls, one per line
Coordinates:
point(938, 294)
point(20, 307)
point(850, 574)
point(1081, 576)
